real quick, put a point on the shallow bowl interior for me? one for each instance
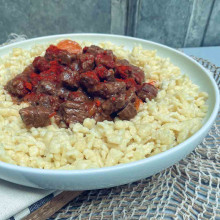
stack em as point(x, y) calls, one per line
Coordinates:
point(124, 173)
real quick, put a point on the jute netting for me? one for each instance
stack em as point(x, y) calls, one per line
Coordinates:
point(188, 190)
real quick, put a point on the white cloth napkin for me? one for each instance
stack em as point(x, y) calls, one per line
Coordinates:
point(14, 198)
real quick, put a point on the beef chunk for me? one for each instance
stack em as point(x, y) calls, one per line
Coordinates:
point(41, 64)
point(47, 87)
point(130, 95)
point(70, 79)
point(47, 101)
point(35, 116)
point(114, 104)
point(63, 93)
point(87, 62)
point(89, 79)
point(110, 76)
point(105, 74)
point(147, 91)
point(105, 60)
point(74, 65)
point(63, 56)
point(73, 112)
point(93, 50)
point(52, 53)
point(130, 83)
point(106, 90)
point(137, 73)
point(128, 112)
point(125, 70)
point(28, 70)
point(122, 62)
point(110, 53)
point(101, 116)
point(17, 86)
point(78, 96)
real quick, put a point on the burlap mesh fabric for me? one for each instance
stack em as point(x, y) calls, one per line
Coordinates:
point(188, 190)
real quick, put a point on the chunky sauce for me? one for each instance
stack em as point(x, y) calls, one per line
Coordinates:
point(70, 84)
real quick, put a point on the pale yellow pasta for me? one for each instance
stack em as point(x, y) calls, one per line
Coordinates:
point(160, 124)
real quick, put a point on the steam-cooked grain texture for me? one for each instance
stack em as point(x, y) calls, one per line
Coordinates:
point(162, 123)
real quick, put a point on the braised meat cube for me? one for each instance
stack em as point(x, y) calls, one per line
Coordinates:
point(147, 91)
point(47, 101)
point(105, 74)
point(73, 112)
point(87, 62)
point(47, 87)
point(41, 64)
point(128, 112)
point(137, 73)
point(93, 50)
point(110, 53)
point(35, 116)
point(110, 76)
point(105, 60)
point(130, 95)
point(17, 86)
point(28, 70)
point(130, 83)
point(63, 93)
point(101, 116)
point(66, 58)
point(125, 70)
point(89, 79)
point(78, 96)
point(122, 62)
point(114, 104)
point(70, 79)
point(49, 76)
point(108, 89)
point(74, 65)
point(63, 56)
point(51, 53)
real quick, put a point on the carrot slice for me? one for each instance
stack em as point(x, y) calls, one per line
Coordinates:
point(70, 46)
point(152, 82)
point(98, 103)
point(52, 114)
point(28, 85)
point(137, 103)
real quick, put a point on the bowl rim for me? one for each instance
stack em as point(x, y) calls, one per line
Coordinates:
point(54, 172)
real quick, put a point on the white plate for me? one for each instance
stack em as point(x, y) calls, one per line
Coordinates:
point(124, 173)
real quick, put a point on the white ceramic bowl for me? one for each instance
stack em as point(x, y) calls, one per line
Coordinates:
point(124, 173)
